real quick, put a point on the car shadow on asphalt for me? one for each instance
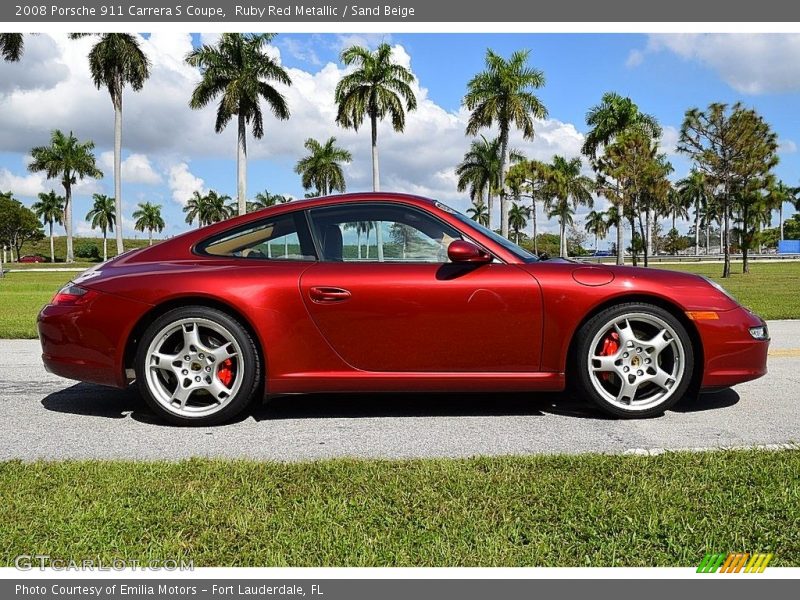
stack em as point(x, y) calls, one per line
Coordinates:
point(98, 401)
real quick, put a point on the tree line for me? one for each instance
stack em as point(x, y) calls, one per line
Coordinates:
point(732, 149)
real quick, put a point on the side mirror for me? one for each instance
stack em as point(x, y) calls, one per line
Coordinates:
point(462, 251)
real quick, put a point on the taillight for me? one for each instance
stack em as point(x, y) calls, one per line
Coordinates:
point(72, 294)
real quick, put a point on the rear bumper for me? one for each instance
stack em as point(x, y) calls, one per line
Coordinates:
point(87, 342)
point(732, 355)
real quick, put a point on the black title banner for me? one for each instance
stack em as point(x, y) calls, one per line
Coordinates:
point(436, 11)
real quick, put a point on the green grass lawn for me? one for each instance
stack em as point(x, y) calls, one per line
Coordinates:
point(22, 295)
point(60, 245)
point(589, 510)
point(771, 289)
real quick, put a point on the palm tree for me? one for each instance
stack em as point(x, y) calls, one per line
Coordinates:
point(675, 206)
point(207, 209)
point(68, 159)
point(596, 225)
point(148, 216)
point(567, 189)
point(50, 209)
point(781, 193)
point(265, 199)
point(11, 45)
point(196, 208)
point(217, 207)
point(612, 218)
point(115, 61)
point(376, 89)
point(102, 216)
point(503, 94)
point(480, 172)
point(614, 116)
point(321, 169)
point(518, 219)
point(238, 69)
point(694, 191)
point(479, 212)
point(528, 179)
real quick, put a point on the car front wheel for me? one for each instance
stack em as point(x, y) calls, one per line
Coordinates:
point(635, 360)
point(197, 366)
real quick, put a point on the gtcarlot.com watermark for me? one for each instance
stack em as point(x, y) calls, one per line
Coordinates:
point(42, 562)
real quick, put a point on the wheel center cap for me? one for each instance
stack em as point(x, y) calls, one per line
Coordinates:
point(196, 366)
point(635, 361)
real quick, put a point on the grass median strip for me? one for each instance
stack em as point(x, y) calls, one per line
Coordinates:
point(666, 510)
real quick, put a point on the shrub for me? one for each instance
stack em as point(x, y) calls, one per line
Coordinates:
point(87, 250)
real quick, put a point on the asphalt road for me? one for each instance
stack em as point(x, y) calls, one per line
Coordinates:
point(45, 417)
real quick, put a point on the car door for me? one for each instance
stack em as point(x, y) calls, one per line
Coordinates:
point(386, 299)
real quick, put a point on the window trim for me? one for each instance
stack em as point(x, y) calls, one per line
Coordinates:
point(301, 226)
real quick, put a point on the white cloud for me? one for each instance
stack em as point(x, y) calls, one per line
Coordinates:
point(41, 68)
point(23, 185)
point(750, 63)
point(635, 58)
point(182, 183)
point(159, 128)
point(136, 168)
point(787, 146)
point(368, 40)
point(669, 139)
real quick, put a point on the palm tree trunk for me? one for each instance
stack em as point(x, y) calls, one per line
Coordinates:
point(647, 234)
point(150, 236)
point(241, 164)
point(780, 216)
point(620, 249)
point(563, 242)
point(118, 168)
point(358, 240)
point(726, 268)
point(503, 195)
point(52, 245)
point(376, 177)
point(490, 205)
point(68, 216)
point(105, 245)
point(379, 240)
point(533, 218)
point(697, 229)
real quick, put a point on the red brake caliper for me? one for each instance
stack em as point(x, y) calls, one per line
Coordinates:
point(610, 346)
point(225, 372)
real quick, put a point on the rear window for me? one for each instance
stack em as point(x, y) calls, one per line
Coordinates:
point(279, 238)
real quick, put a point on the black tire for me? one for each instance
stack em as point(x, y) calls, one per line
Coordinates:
point(248, 370)
point(602, 387)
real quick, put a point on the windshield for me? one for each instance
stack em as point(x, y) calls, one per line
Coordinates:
point(520, 253)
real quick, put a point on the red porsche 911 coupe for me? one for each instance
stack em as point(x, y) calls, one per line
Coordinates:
point(388, 292)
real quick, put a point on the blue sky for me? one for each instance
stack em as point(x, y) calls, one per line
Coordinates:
point(170, 150)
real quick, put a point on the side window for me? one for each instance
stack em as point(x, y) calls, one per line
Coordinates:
point(275, 239)
point(381, 232)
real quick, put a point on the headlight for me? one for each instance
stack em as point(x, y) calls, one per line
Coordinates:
point(760, 332)
point(720, 288)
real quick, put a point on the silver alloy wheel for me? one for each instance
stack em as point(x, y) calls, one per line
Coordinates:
point(183, 366)
point(645, 369)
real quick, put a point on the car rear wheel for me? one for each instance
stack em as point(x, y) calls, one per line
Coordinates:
point(197, 366)
point(634, 360)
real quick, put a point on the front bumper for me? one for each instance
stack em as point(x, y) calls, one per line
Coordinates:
point(732, 354)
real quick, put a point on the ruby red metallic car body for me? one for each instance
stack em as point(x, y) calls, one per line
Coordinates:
point(506, 325)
